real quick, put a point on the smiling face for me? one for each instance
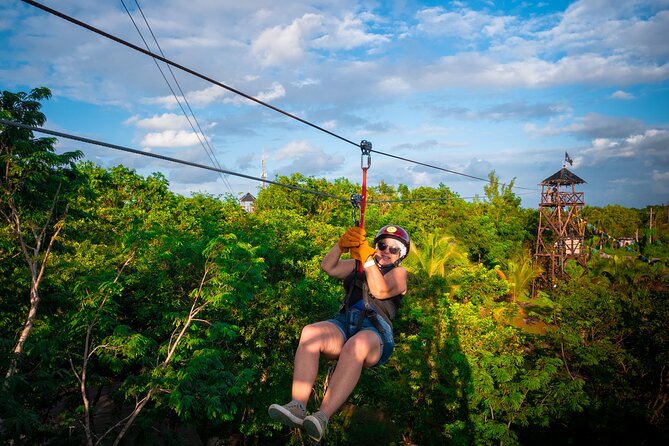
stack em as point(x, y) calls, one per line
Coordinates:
point(388, 251)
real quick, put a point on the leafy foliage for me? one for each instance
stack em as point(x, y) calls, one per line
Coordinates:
point(166, 317)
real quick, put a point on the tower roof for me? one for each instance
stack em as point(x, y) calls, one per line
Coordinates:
point(562, 176)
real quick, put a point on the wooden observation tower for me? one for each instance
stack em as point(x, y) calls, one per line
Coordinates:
point(560, 233)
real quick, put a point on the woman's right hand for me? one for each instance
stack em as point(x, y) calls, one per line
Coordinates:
point(352, 238)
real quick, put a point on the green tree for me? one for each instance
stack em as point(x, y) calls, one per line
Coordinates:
point(185, 312)
point(617, 221)
point(520, 272)
point(35, 188)
point(429, 363)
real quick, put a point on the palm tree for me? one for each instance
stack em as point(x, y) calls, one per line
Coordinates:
point(431, 260)
point(520, 274)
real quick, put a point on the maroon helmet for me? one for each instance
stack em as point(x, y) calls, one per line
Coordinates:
point(398, 233)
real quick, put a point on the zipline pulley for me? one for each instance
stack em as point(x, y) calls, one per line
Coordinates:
point(366, 149)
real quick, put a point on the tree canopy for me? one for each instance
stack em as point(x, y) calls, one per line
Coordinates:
point(165, 319)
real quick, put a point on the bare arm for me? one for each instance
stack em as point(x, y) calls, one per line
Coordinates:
point(334, 266)
point(380, 286)
point(384, 287)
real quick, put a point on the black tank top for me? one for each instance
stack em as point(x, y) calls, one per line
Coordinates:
point(389, 306)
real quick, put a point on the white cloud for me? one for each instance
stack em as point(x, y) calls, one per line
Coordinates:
point(613, 27)
point(394, 85)
point(620, 94)
point(479, 168)
point(280, 45)
point(306, 83)
point(464, 24)
point(649, 146)
point(168, 102)
point(590, 126)
point(477, 70)
point(206, 96)
point(170, 138)
point(159, 122)
point(420, 178)
point(274, 92)
point(307, 159)
point(594, 42)
point(195, 98)
point(347, 33)
point(329, 125)
point(660, 176)
point(294, 149)
point(353, 67)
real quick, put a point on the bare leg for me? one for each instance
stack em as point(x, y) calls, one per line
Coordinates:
point(363, 349)
point(321, 337)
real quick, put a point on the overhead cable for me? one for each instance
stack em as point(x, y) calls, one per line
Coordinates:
point(181, 67)
point(443, 169)
point(203, 140)
point(165, 158)
point(408, 200)
point(234, 90)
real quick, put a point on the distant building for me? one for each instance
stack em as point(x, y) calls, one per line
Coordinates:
point(247, 202)
point(625, 241)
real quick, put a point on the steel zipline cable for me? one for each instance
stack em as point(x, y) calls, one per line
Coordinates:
point(165, 158)
point(238, 92)
point(181, 67)
point(202, 139)
point(204, 166)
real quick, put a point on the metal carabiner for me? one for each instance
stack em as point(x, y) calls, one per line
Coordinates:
point(366, 149)
point(356, 199)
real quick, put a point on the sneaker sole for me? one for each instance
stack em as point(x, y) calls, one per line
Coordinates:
point(280, 414)
point(313, 429)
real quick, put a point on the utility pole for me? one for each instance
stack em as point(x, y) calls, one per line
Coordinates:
point(263, 174)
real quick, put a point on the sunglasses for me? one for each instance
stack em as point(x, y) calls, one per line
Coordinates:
point(381, 246)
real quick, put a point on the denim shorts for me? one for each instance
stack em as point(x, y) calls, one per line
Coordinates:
point(386, 338)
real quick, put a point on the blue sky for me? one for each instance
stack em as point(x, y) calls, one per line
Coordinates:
point(472, 87)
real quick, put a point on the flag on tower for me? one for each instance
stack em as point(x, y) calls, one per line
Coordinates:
point(567, 159)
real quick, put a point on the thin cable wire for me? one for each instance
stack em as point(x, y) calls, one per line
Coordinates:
point(209, 151)
point(446, 170)
point(202, 166)
point(183, 95)
point(181, 67)
point(409, 200)
point(165, 158)
point(234, 90)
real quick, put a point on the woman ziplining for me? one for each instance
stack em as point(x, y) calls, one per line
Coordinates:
point(361, 333)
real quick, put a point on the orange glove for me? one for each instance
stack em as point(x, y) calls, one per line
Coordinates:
point(352, 238)
point(362, 252)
